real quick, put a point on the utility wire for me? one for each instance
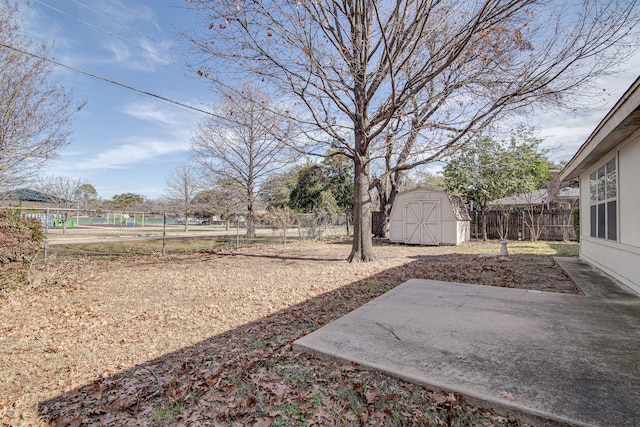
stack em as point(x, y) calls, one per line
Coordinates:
point(97, 12)
point(121, 6)
point(107, 80)
point(95, 27)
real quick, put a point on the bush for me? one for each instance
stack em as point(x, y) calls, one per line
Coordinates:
point(20, 240)
point(575, 220)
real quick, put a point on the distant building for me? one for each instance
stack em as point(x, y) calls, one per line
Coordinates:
point(564, 198)
point(29, 197)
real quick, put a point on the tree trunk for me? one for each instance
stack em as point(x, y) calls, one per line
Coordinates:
point(483, 212)
point(383, 191)
point(186, 221)
point(362, 249)
point(250, 221)
point(388, 192)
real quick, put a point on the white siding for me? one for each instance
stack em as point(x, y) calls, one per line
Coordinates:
point(619, 261)
point(585, 205)
point(629, 192)
point(621, 258)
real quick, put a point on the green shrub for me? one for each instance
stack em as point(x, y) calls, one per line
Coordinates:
point(20, 240)
point(575, 220)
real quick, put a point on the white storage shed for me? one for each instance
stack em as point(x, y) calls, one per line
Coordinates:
point(428, 217)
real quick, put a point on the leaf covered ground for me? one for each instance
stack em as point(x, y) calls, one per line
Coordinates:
point(205, 339)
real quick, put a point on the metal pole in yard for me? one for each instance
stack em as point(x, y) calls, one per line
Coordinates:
point(164, 234)
point(46, 233)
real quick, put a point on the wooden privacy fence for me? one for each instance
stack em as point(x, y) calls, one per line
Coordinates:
point(520, 224)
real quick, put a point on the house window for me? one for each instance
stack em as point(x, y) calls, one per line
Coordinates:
point(603, 198)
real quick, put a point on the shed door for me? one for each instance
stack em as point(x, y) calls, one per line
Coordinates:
point(422, 222)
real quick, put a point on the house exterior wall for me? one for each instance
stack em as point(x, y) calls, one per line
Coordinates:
point(619, 258)
point(451, 231)
point(629, 182)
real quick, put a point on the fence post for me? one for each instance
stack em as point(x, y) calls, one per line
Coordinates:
point(164, 234)
point(46, 233)
point(237, 232)
point(346, 221)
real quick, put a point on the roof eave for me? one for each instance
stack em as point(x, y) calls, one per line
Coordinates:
point(621, 121)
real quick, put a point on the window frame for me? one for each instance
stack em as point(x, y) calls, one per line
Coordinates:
point(603, 201)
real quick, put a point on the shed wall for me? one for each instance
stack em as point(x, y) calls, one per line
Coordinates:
point(403, 227)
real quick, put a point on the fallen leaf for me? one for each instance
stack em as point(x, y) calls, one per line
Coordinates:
point(264, 422)
point(370, 397)
point(68, 422)
point(507, 395)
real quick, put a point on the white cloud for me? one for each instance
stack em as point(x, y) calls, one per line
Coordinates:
point(566, 132)
point(130, 58)
point(129, 12)
point(152, 112)
point(158, 52)
point(133, 152)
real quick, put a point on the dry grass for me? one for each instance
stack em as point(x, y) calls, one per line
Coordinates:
point(94, 323)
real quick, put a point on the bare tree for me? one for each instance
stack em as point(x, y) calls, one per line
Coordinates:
point(242, 143)
point(226, 198)
point(436, 70)
point(182, 185)
point(34, 110)
point(535, 206)
point(61, 190)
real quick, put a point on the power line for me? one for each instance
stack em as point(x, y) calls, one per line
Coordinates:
point(95, 27)
point(104, 15)
point(107, 80)
point(121, 7)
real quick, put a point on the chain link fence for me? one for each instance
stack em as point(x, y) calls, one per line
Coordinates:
point(79, 233)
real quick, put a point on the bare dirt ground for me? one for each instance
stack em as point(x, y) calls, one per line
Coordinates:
point(205, 339)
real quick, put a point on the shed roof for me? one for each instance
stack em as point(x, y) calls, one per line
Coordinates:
point(459, 208)
point(457, 204)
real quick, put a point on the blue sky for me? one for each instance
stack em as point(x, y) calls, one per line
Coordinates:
point(122, 141)
point(125, 142)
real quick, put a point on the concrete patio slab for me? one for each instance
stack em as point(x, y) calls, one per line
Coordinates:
point(565, 359)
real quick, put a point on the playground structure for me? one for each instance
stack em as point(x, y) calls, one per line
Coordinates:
point(124, 219)
point(71, 218)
